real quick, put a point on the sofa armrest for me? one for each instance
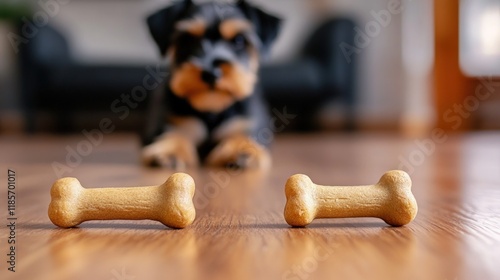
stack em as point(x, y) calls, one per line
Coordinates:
point(49, 47)
point(325, 47)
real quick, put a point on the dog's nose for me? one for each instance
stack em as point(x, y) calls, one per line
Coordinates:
point(211, 76)
point(212, 70)
point(217, 63)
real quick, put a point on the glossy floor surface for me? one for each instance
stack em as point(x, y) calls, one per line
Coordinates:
point(240, 232)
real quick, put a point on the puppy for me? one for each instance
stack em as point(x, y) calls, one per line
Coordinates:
point(211, 109)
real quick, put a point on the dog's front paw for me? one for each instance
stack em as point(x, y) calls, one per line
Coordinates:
point(172, 151)
point(239, 152)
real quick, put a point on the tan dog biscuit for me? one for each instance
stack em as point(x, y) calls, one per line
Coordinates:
point(390, 199)
point(170, 203)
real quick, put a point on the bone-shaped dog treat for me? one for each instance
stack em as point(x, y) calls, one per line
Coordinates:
point(170, 203)
point(390, 199)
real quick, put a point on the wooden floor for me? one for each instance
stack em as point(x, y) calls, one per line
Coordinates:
point(240, 232)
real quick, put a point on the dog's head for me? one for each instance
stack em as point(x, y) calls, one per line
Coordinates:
point(214, 50)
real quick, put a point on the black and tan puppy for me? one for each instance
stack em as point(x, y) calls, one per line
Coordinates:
point(212, 109)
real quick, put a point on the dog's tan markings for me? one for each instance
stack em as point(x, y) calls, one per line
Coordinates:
point(234, 126)
point(240, 151)
point(192, 128)
point(237, 80)
point(195, 26)
point(236, 83)
point(254, 60)
point(186, 83)
point(172, 150)
point(187, 79)
point(232, 27)
point(212, 101)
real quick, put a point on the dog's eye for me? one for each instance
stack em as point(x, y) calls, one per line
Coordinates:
point(239, 42)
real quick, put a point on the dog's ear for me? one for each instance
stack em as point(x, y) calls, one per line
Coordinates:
point(162, 23)
point(267, 26)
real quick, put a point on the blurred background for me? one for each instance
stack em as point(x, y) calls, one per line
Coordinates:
point(396, 65)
